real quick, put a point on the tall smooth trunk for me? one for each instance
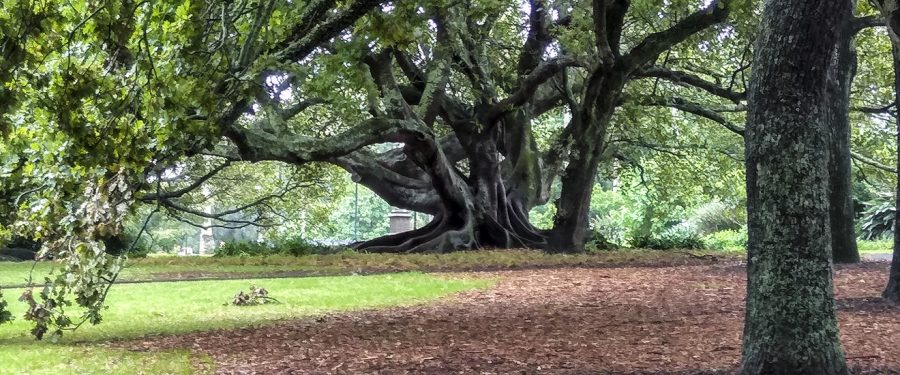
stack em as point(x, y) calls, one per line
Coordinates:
point(791, 325)
point(841, 74)
point(892, 291)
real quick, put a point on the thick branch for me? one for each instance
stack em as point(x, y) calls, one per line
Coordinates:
point(187, 189)
point(889, 109)
point(301, 106)
point(691, 80)
point(537, 40)
point(305, 39)
point(871, 162)
point(696, 109)
point(657, 43)
point(258, 145)
point(528, 87)
point(861, 23)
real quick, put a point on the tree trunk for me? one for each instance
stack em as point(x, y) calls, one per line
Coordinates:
point(589, 122)
point(484, 209)
point(892, 291)
point(571, 222)
point(790, 325)
point(843, 231)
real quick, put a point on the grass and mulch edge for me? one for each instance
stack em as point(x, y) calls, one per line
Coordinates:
point(642, 320)
point(151, 310)
point(177, 268)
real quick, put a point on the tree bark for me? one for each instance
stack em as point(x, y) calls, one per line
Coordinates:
point(571, 222)
point(790, 325)
point(892, 291)
point(843, 231)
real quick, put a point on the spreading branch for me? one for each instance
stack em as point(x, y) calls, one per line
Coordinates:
point(258, 145)
point(691, 80)
point(871, 162)
point(861, 23)
point(529, 86)
point(162, 195)
point(654, 44)
point(696, 109)
point(304, 39)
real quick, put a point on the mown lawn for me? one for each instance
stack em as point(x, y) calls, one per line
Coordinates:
point(137, 310)
point(167, 267)
point(876, 247)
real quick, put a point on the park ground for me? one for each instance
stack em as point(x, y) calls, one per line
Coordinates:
point(626, 312)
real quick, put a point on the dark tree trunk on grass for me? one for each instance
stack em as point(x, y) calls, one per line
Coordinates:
point(843, 231)
point(790, 325)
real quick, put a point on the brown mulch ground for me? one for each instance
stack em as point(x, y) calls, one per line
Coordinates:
point(674, 320)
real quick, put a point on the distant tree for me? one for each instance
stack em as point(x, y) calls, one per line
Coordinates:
point(840, 78)
point(890, 10)
point(791, 325)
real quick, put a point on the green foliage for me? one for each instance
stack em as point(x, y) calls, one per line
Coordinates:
point(878, 221)
point(297, 246)
point(359, 216)
point(598, 242)
point(242, 248)
point(161, 235)
point(542, 216)
point(612, 215)
point(5, 235)
point(669, 240)
point(716, 216)
point(731, 240)
point(85, 277)
point(293, 246)
point(5, 315)
point(876, 246)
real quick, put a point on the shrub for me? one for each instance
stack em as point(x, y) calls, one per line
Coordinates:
point(242, 248)
point(139, 251)
point(674, 238)
point(727, 240)
point(297, 246)
point(878, 221)
point(5, 315)
point(715, 216)
point(598, 242)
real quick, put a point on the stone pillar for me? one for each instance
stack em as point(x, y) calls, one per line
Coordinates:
point(400, 220)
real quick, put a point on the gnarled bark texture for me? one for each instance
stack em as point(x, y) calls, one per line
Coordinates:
point(843, 69)
point(481, 178)
point(790, 325)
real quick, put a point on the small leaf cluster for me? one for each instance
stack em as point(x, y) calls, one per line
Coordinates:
point(84, 281)
point(5, 315)
point(256, 296)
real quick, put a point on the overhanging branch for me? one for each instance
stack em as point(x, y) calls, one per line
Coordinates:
point(691, 80)
point(654, 44)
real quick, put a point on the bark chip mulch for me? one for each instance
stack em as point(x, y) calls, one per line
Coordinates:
point(672, 320)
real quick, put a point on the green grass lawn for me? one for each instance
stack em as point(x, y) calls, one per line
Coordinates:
point(350, 262)
point(879, 246)
point(137, 310)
